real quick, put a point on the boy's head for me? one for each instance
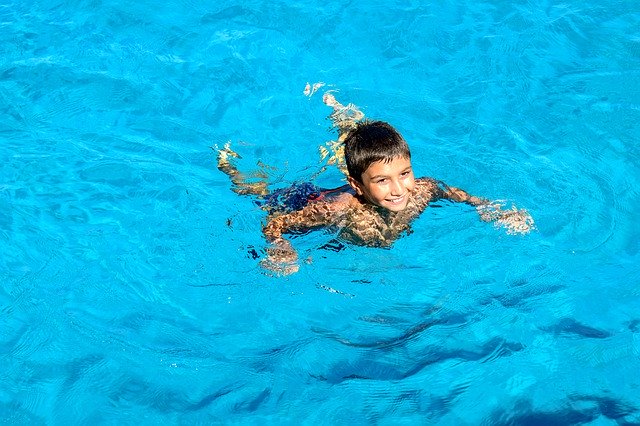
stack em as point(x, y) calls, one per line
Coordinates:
point(379, 165)
point(372, 141)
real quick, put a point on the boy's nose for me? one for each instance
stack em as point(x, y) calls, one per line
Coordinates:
point(396, 188)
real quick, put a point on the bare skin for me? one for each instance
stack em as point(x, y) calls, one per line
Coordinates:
point(357, 219)
point(239, 181)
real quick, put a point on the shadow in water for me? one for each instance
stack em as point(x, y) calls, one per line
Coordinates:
point(367, 368)
point(569, 326)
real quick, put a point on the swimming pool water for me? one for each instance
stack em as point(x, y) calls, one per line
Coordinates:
point(131, 287)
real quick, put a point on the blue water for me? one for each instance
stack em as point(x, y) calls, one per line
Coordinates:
point(131, 291)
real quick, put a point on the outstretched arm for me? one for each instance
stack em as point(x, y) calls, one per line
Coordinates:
point(514, 220)
point(281, 256)
point(460, 196)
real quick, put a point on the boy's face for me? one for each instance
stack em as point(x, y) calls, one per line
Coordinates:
point(387, 184)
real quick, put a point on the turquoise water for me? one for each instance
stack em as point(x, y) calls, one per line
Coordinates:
point(131, 287)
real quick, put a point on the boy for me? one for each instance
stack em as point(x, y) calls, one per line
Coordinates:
point(378, 204)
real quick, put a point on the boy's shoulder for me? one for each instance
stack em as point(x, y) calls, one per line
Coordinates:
point(337, 203)
point(426, 191)
point(326, 199)
point(340, 201)
point(427, 184)
point(426, 181)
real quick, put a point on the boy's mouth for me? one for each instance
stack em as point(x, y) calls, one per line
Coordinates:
point(397, 200)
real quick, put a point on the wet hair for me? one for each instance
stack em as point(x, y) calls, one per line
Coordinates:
point(372, 141)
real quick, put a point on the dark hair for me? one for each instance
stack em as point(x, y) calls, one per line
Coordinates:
point(372, 141)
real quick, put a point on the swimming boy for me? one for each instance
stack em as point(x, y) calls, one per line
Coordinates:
point(377, 205)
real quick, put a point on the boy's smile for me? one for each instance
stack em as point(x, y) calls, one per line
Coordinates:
point(387, 184)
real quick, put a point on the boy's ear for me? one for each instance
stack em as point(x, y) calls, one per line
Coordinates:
point(355, 185)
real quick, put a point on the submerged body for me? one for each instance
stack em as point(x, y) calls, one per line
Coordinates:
point(356, 219)
point(374, 211)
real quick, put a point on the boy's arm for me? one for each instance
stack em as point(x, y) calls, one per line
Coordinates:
point(281, 256)
point(460, 196)
point(516, 221)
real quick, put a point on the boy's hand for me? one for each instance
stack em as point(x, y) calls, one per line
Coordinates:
point(281, 258)
point(489, 211)
point(515, 221)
